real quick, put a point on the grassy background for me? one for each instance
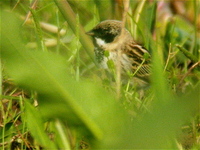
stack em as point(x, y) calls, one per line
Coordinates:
point(53, 96)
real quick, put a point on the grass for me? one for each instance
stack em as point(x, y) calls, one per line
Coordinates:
point(54, 96)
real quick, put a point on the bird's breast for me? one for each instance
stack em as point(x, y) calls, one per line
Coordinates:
point(103, 59)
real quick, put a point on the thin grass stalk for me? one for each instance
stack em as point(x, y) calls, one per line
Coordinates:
point(3, 121)
point(187, 74)
point(118, 65)
point(65, 140)
point(195, 52)
point(168, 57)
point(70, 17)
point(77, 46)
point(126, 7)
point(1, 78)
point(23, 120)
point(137, 17)
point(151, 25)
point(118, 73)
point(1, 103)
point(138, 68)
point(40, 39)
point(33, 6)
point(5, 117)
point(58, 33)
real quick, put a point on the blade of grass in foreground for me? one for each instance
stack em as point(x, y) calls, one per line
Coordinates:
point(89, 109)
point(81, 104)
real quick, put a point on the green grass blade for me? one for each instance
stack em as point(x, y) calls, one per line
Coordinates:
point(70, 17)
point(59, 95)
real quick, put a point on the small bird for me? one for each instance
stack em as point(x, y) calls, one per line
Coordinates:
point(134, 58)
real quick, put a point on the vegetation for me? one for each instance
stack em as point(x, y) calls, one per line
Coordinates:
point(54, 96)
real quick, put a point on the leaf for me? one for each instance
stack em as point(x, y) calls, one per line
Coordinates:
point(83, 105)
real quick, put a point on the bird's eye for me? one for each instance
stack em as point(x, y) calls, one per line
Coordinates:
point(109, 38)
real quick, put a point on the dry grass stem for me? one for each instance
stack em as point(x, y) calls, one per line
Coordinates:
point(189, 70)
point(118, 65)
point(33, 6)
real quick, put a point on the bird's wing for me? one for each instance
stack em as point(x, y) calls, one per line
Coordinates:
point(140, 59)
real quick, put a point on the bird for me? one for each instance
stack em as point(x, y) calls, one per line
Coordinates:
point(108, 39)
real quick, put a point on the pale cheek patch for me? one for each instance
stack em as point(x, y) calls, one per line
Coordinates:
point(100, 42)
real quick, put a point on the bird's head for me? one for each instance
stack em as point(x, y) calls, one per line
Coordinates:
point(106, 31)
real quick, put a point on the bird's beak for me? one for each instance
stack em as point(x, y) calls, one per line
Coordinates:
point(91, 33)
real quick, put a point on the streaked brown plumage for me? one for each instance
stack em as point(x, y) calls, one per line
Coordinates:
point(107, 37)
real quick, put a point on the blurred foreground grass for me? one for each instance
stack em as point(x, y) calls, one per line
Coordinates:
point(54, 97)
